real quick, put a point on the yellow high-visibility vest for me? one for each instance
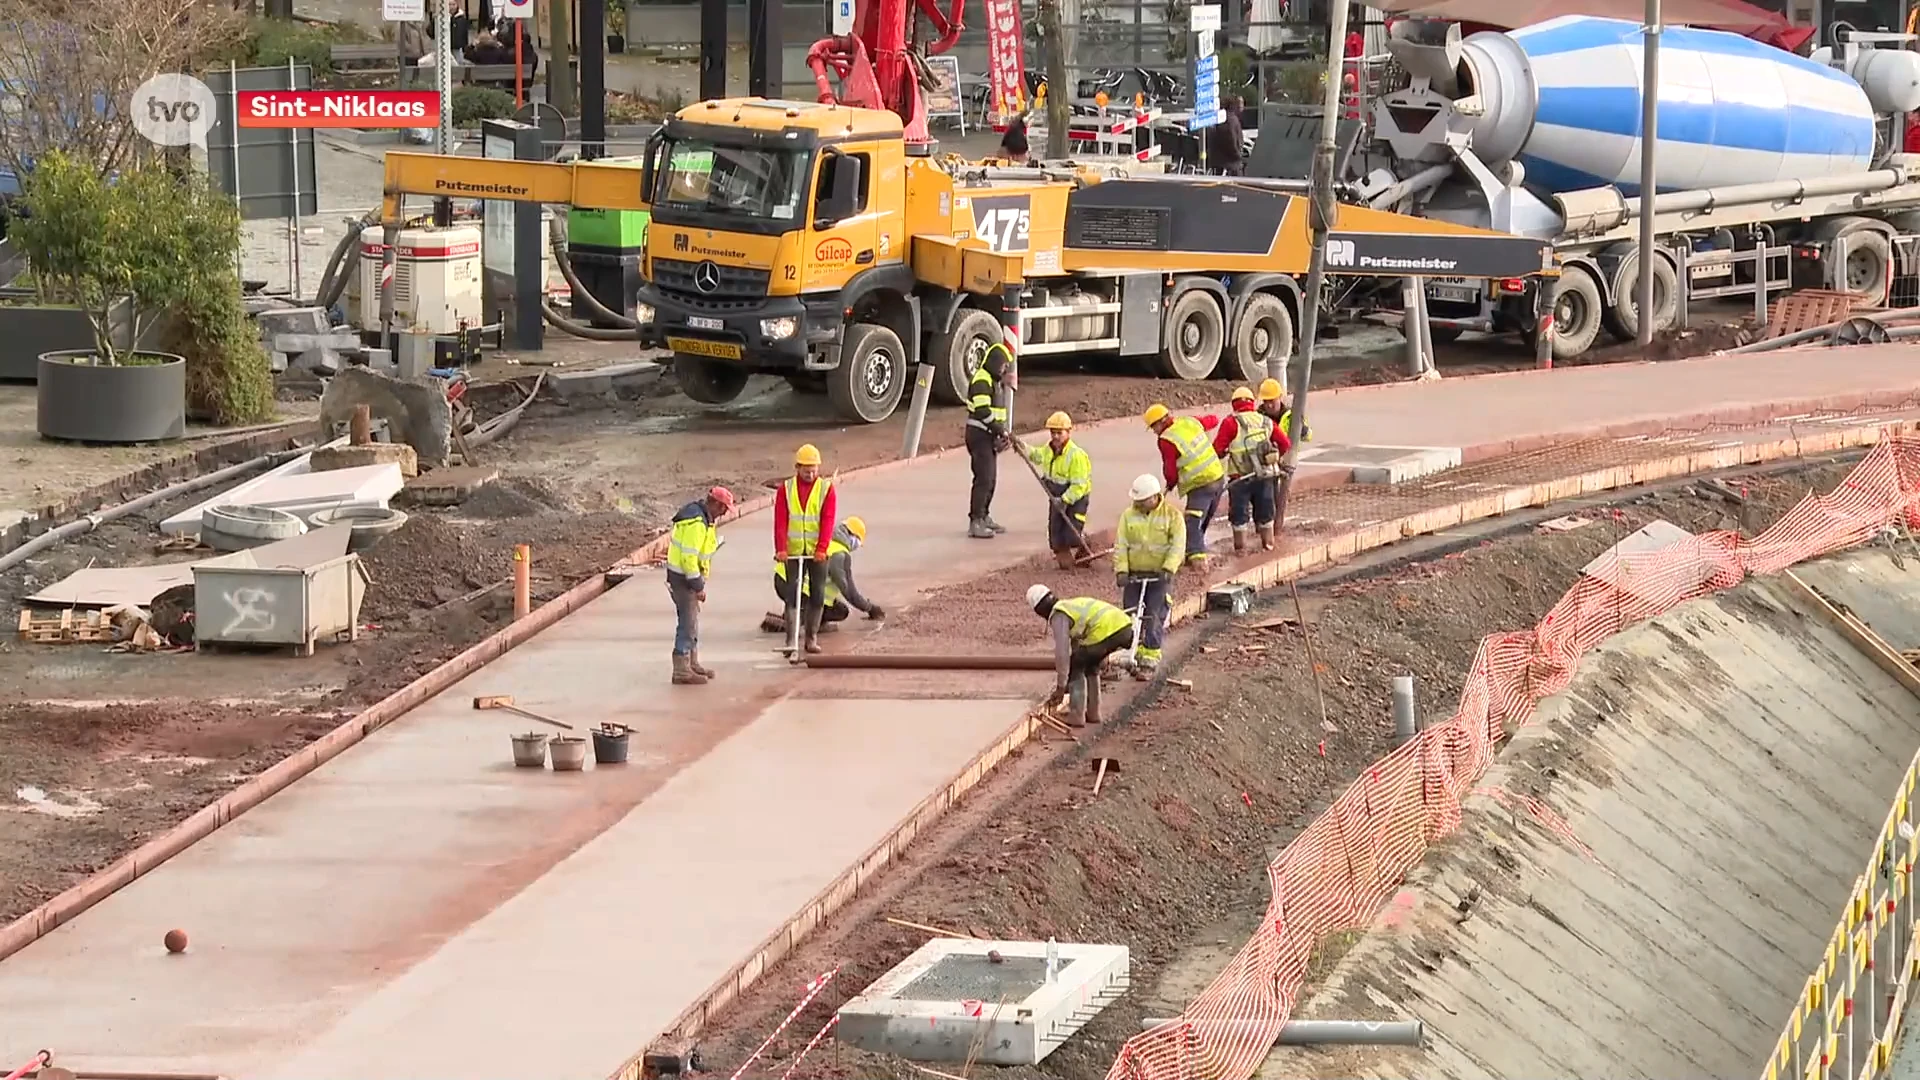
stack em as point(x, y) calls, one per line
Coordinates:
point(1196, 465)
point(1091, 620)
point(690, 547)
point(1251, 443)
point(803, 522)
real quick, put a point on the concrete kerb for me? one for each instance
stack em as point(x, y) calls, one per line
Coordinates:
point(1263, 576)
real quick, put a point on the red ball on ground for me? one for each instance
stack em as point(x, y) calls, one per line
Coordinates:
point(176, 941)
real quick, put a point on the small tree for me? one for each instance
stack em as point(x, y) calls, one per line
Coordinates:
point(91, 242)
point(70, 68)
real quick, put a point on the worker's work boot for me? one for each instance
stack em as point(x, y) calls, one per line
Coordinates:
point(978, 529)
point(1266, 537)
point(773, 624)
point(694, 665)
point(1077, 702)
point(810, 641)
point(683, 673)
point(1240, 540)
point(1064, 557)
point(992, 524)
point(1197, 564)
point(1093, 701)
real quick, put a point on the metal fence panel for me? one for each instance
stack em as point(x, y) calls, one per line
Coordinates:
point(270, 171)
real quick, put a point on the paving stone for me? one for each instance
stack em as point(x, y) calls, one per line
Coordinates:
point(449, 486)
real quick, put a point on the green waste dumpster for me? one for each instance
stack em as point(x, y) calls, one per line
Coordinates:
point(605, 248)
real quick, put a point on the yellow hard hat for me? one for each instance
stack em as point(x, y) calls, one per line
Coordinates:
point(808, 454)
point(1270, 390)
point(1154, 414)
point(1060, 421)
point(1241, 393)
point(858, 528)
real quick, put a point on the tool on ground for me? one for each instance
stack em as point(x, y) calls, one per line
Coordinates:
point(934, 930)
point(1101, 766)
point(795, 568)
point(1313, 662)
point(1079, 537)
point(505, 701)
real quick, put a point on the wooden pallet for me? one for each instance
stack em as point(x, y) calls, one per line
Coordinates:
point(1807, 309)
point(64, 627)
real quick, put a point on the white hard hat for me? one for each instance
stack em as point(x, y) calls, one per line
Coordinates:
point(1037, 595)
point(1145, 486)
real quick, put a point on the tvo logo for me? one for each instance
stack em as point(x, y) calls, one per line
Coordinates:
point(174, 110)
point(1340, 253)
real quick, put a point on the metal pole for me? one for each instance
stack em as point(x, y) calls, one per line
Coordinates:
point(293, 231)
point(795, 568)
point(233, 131)
point(443, 73)
point(1322, 208)
point(1649, 134)
point(593, 79)
point(917, 412)
point(1406, 711)
point(1320, 1032)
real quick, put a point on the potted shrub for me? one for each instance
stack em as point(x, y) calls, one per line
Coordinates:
point(617, 26)
point(94, 242)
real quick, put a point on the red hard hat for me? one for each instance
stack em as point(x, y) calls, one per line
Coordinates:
point(722, 496)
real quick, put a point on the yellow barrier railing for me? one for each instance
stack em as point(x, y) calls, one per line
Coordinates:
point(1848, 1017)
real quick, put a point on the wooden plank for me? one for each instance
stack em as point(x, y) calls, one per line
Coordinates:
point(1861, 636)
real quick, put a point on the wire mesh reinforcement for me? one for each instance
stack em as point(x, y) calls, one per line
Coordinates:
point(1336, 874)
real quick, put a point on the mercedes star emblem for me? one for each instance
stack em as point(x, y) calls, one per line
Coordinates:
point(706, 277)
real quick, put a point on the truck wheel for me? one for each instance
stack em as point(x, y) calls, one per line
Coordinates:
point(872, 374)
point(1576, 314)
point(1263, 334)
point(1622, 317)
point(959, 352)
point(1194, 336)
point(1869, 255)
point(709, 382)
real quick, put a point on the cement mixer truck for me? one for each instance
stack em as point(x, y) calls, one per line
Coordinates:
point(1769, 164)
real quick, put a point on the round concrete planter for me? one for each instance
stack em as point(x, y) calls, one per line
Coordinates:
point(81, 401)
point(370, 523)
point(236, 528)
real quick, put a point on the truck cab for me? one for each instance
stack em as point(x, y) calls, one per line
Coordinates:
point(772, 223)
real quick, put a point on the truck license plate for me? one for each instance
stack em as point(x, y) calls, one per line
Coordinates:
point(701, 322)
point(722, 350)
point(1454, 294)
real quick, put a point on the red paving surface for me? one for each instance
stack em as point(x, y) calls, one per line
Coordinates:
point(421, 896)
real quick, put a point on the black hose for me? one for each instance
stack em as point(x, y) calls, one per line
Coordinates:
point(580, 293)
point(334, 281)
point(582, 330)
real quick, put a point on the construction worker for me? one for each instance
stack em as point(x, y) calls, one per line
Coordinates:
point(1193, 469)
point(1251, 444)
point(987, 398)
point(1067, 473)
point(1274, 406)
point(1085, 632)
point(1146, 554)
point(802, 531)
point(842, 594)
point(690, 547)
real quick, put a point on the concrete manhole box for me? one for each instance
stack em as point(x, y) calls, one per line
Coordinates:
point(951, 1000)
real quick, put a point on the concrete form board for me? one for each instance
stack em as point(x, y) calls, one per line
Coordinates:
point(362, 485)
point(1727, 766)
point(920, 1010)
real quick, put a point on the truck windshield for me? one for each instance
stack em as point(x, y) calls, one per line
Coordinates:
point(743, 181)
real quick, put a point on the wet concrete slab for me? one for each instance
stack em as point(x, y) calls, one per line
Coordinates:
point(420, 895)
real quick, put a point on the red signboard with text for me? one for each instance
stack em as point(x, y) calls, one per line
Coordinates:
point(339, 108)
point(1006, 57)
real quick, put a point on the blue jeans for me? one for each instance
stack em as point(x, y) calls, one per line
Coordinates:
point(1250, 501)
point(1202, 504)
point(686, 614)
point(1059, 535)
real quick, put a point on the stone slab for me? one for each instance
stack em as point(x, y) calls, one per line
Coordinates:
point(955, 1000)
point(335, 458)
point(603, 380)
point(361, 485)
point(1383, 464)
point(449, 486)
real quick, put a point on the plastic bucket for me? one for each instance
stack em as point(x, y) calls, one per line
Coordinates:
point(530, 750)
point(569, 753)
point(610, 746)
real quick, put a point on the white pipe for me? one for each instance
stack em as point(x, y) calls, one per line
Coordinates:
point(1321, 1032)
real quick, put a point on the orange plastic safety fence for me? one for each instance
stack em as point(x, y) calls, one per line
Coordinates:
point(1338, 873)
